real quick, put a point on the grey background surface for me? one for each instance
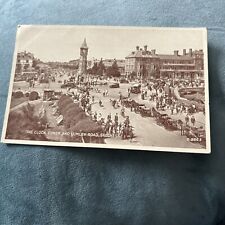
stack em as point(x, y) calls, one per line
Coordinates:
point(56, 185)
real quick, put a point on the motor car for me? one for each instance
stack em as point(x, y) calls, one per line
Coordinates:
point(68, 85)
point(170, 124)
point(146, 112)
point(114, 85)
point(124, 81)
point(161, 118)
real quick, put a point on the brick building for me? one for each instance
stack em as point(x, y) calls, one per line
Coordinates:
point(24, 65)
point(146, 64)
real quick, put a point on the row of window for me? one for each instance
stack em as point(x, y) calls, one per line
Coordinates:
point(22, 61)
point(178, 67)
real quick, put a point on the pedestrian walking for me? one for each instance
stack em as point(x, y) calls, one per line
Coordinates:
point(109, 117)
point(187, 119)
point(95, 116)
point(116, 119)
point(193, 120)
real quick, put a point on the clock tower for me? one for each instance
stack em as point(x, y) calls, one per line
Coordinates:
point(83, 58)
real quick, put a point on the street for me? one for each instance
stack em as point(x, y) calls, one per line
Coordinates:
point(147, 132)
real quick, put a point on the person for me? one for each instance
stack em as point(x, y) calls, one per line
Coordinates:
point(100, 103)
point(123, 111)
point(128, 92)
point(120, 96)
point(157, 105)
point(172, 109)
point(89, 108)
point(187, 119)
point(30, 83)
point(180, 123)
point(193, 120)
point(131, 133)
point(114, 103)
point(194, 107)
point(145, 93)
point(102, 121)
point(116, 118)
point(33, 83)
point(99, 116)
point(120, 128)
point(127, 121)
point(93, 99)
point(95, 116)
point(109, 117)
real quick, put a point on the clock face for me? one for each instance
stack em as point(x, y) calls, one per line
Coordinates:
point(83, 52)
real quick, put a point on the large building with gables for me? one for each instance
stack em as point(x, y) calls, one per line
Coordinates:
point(146, 64)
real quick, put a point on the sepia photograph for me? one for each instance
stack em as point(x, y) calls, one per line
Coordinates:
point(137, 88)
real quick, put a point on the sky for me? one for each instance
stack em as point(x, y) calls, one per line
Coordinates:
point(62, 43)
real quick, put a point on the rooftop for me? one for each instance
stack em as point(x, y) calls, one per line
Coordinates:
point(145, 53)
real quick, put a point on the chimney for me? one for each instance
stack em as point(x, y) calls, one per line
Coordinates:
point(145, 48)
point(175, 52)
point(184, 51)
point(153, 51)
point(190, 52)
point(137, 48)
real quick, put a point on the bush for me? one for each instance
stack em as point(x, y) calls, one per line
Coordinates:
point(66, 108)
point(63, 97)
point(74, 110)
point(64, 103)
point(21, 120)
point(18, 94)
point(33, 96)
point(87, 126)
point(73, 114)
point(71, 106)
point(71, 120)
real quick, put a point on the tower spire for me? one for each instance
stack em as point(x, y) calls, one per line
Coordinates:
point(84, 45)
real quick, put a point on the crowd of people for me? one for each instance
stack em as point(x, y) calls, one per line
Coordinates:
point(111, 125)
point(164, 99)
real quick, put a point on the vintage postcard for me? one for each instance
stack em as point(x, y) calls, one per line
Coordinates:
point(135, 88)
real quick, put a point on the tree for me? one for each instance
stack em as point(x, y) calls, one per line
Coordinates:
point(35, 62)
point(94, 69)
point(100, 68)
point(113, 70)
